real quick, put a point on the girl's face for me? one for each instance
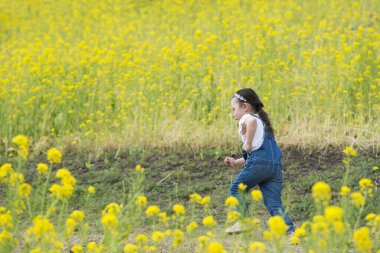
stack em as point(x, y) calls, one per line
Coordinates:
point(238, 109)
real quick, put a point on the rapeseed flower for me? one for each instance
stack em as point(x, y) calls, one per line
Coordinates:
point(366, 186)
point(152, 210)
point(256, 247)
point(23, 143)
point(130, 248)
point(231, 201)
point(256, 195)
point(321, 193)
point(5, 171)
point(209, 221)
point(344, 190)
point(357, 199)
point(158, 237)
point(42, 168)
point(362, 240)
point(141, 239)
point(277, 226)
point(177, 238)
point(205, 201)
point(242, 187)
point(54, 156)
point(141, 201)
point(93, 247)
point(233, 216)
point(349, 151)
point(24, 190)
point(91, 189)
point(191, 227)
point(77, 249)
point(195, 198)
point(179, 210)
point(215, 247)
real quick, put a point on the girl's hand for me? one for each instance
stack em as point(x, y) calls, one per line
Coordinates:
point(229, 161)
point(247, 147)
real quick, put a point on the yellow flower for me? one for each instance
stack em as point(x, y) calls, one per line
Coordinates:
point(77, 249)
point(179, 210)
point(110, 221)
point(141, 201)
point(333, 213)
point(357, 199)
point(23, 143)
point(209, 221)
point(349, 151)
point(256, 247)
point(54, 156)
point(6, 218)
point(202, 239)
point(321, 192)
point(177, 238)
point(267, 236)
point(163, 217)
point(92, 247)
point(42, 168)
point(366, 185)
point(139, 168)
point(233, 216)
point(77, 215)
point(375, 168)
point(277, 226)
point(191, 227)
point(256, 195)
point(152, 210)
point(205, 201)
point(158, 237)
point(113, 208)
point(91, 189)
point(370, 216)
point(344, 190)
point(362, 240)
point(300, 232)
point(42, 227)
point(70, 226)
point(24, 190)
point(141, 239)
point(66, 177)
point(5, 170)
point(195, 198)
point(215, 247)
point(242, 187)
point(231, 201)
point(130, 248)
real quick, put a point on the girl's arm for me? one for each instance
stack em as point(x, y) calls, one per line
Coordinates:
point(232, 162)
point(251, 125)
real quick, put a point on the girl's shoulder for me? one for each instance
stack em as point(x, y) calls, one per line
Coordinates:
point(245, 117)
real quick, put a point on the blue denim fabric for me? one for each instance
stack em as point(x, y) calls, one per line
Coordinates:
point(263, 167)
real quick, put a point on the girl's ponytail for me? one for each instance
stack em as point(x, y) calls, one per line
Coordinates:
point(264, 117)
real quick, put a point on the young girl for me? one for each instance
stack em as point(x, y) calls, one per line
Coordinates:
point(261, 155)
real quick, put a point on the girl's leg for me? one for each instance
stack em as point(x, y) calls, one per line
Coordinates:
point(249, 177)
point(271, 190)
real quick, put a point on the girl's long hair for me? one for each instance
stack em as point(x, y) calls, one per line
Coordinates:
point(251, 98)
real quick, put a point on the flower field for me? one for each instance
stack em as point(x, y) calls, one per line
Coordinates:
point(161, 73)
point(37, 217)
point(88, 76)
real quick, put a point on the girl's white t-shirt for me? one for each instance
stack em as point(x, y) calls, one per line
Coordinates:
point(258, 138)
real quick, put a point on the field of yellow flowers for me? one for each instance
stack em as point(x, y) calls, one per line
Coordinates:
point(90, 75)
point(161, 73)
point(37, 217)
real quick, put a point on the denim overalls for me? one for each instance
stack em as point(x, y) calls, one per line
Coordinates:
point(263, 167)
